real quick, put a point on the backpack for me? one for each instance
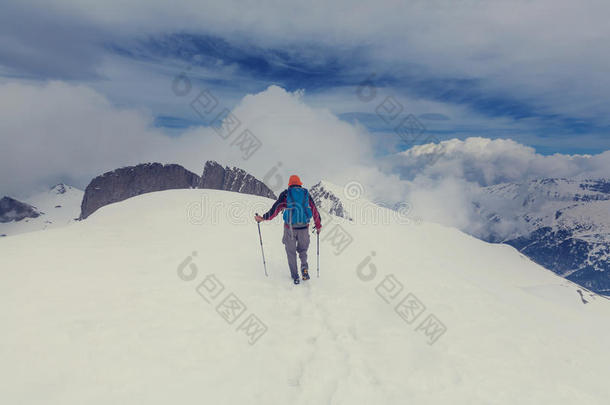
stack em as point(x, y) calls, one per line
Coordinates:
point(297, 213)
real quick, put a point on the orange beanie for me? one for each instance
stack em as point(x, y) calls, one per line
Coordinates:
point(294, 181)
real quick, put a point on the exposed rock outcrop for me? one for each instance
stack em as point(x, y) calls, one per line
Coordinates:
point(13, 210)
point(232, 179)
point(127, 182)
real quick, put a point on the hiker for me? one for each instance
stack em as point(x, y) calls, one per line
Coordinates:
point(299, 208)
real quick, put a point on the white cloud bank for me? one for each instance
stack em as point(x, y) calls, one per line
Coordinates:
point(486, 162)
point(61, 132)
point(444, 179)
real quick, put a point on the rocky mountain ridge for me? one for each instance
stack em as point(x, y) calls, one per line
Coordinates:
point(126, 182)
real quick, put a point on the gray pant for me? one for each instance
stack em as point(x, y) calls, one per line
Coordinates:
point(296, 241)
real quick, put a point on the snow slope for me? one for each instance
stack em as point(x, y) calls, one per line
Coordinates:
point(112, 310)
point(58, 206)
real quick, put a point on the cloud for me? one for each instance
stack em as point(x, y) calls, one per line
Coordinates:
point(487, 161)
point(296, 138)
point(44, 43)
point(443, 181)
point(544, 60)
point(549, 55)
point(63, 132)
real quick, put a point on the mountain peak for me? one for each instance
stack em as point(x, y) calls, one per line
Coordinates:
point(60, 188)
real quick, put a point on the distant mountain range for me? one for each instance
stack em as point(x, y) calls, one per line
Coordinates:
point(562, 224)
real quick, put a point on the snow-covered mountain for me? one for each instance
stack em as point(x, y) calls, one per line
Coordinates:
point(137, 304)
point(562, 224)
point(327, 198)
point(55, 207)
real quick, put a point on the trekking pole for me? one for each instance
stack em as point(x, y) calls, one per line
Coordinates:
point(318, 249)
point(262, 250)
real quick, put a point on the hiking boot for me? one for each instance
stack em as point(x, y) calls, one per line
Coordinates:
point(296, 281)
point(305, 274)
